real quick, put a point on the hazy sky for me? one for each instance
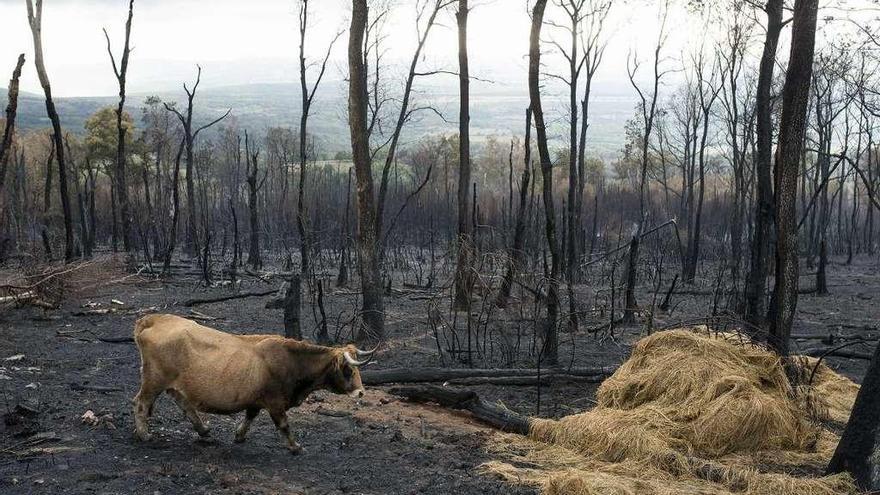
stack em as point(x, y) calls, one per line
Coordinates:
point(255, 41)
point(239, 42)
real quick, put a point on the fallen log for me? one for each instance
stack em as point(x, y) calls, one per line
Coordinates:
point(502, 418)
point(195, 302)
point(495, 415)
point(14, 298)
point(94, 388)
point(525, 381)
point(831, 339)
point(831, 352)
point(94, 312)
point(428, 375)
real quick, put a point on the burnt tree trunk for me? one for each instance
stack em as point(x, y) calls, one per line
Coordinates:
point(516, 257)
point(175, 211)
point(792, 125)
point(292, 304)
point(464, 278)
point(572, 226)
point(372, 307)
point(35, 19)
point(9, 129)
point(307, 96)
point(756, 279)
point(858, 452)
point(254, 185)
point(190, 136)
point(47, 202)
point(551, 343)
point(120, 72)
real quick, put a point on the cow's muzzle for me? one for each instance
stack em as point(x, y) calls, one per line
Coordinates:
point(357, 394)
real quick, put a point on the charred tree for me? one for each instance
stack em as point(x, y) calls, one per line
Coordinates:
point(858, 452)
point(551, 342)
point(190, 135)
point(648, 114)
point(464, 278)
point(35, 19)
point(756, 279)
point(175, 211)
point(9, 129)
point(6, 149)
point(119, 174)
point(517, 255)
point(307, 96)
point(792, 126)
point(254, 184)
point(372, 307)
point(292, 304)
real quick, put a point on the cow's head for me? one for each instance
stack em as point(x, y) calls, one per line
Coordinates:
point(346, 375)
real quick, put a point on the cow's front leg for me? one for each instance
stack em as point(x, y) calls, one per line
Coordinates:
point(242, 430)
point(279, 417)
point(190, 412)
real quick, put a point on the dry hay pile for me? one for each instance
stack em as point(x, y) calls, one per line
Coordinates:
point(690, 413)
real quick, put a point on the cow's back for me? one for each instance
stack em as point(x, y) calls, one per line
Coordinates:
point(216, 370)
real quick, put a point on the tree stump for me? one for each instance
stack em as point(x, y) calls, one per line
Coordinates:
point(291, 308)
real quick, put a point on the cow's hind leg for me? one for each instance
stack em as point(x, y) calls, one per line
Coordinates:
point(242, 430)
point(279, 417)
point(184, 404)
point(143, 409)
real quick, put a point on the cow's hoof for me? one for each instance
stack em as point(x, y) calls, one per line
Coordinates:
point(239, 439)
point(204, 432)
point(296, 449)
point(143, 436)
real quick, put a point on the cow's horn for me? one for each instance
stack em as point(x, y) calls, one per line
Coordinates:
point(361, 353)
point(352, 361)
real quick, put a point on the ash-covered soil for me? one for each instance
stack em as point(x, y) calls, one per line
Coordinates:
point(53, 369)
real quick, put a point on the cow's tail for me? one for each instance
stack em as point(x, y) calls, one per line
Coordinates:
point(142, 324)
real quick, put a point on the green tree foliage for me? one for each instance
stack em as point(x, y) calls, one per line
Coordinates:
point(101, 134)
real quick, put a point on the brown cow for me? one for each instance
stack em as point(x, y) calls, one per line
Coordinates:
point(204, 369)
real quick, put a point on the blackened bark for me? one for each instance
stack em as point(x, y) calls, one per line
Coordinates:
point(755, 294)
point(307, 96)
point(517, 255)
point(9, 130)
point(255, 260)
point(35, 19)
point(292, 303)
point(190, 136)
point(120, 174)
point(792, 128)
point(858, 452)
point(372, 308)
point(551, 343)
point(175, 214)
point(464, 279)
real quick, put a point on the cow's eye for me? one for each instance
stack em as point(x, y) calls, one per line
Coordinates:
point(347, 372)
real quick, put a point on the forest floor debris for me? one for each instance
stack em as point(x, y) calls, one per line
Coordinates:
point(419, 448)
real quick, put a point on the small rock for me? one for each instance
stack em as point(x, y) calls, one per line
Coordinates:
point(89, 418)
point(32, 386)
point(17, 357)
point(117, 302)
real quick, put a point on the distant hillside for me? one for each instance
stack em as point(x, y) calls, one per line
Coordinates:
point(259, 106)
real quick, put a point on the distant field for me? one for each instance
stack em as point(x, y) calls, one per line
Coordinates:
point(260, 106)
